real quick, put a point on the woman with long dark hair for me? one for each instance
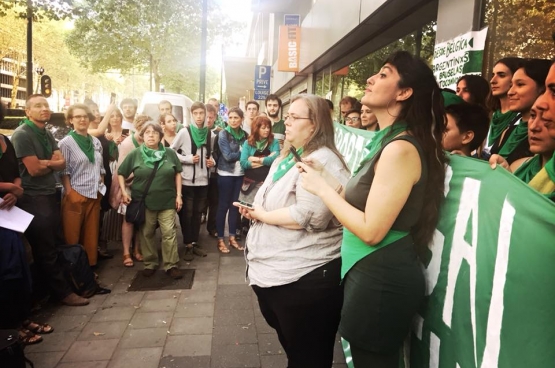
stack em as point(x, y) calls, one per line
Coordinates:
point(473, 89)
point(389, 210)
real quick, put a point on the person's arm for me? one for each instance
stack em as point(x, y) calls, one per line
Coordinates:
point(496, 159)
point(179, 143)
point(246, 156)
point(274, 153)
point(101, 129)
point(66, 182)
point(15, 191)
point(57, 162)
point(36, 167)
point(178, 198)
point(518, 163)
point(396, 172)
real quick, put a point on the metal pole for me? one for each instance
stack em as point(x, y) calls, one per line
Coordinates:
point(151, 72)
point(29, 48)
point(202, 84)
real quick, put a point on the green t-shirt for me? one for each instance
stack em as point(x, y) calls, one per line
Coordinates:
point(279, 130)
point(26, 144)
point(162, 192)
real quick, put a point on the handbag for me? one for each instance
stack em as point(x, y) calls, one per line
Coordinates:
point(135, 212)
point(11, 350)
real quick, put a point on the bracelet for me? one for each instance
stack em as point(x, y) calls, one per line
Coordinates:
point(339, 188)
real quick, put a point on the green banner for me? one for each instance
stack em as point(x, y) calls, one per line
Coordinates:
point(490, 273)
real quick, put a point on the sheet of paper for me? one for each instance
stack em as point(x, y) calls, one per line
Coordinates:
point(15, 219)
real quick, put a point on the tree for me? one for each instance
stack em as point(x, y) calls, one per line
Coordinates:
point(42, 9)
point(143, 34)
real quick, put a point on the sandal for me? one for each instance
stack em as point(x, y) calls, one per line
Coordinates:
point(138, 257)
point(233, 243)
point(221, 246)
point(28, 338)
point(37, 328)
point(127, 260)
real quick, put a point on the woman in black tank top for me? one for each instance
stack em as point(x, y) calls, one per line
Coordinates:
point(389, 209)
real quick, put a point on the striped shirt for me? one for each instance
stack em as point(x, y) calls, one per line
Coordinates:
point(84, 176)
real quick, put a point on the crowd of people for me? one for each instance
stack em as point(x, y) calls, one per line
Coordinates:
point(329, 248)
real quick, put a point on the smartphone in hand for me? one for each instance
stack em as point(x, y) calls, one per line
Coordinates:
point(125, 131)
point(248, 205)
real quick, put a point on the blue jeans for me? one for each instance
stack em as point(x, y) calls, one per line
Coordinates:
point(229, 188)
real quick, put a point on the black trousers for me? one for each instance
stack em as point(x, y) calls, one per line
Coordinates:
point(305, 315)
point(212, 198)
point(44, 234)
point(194, 203)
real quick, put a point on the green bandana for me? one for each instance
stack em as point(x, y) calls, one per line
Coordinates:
point(261, 144)
point(113, 150)
point(238, 135)
point(287, 163)
point(150, 156)
point(85, 143)
point(529, 169)
point(198, 134)
point(550, 168)
point(378, 141)
point(42, 136)
point(135, 143)
point(499, 122)
point(518, 135)
point(219, 123)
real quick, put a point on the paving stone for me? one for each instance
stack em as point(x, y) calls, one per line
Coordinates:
point(190, 296)
point(194, 310)
point(192, 326)
point(339, 365)
point(94, 304)
point(45, 360)
point(73, 323)
point(103, 330)
point(136, 358)
point(159, 305)
point(273, 361)
point(235, 334)
point(86, 351)
point(234, 276)
point(234, 303)
point(53, 342)
point(188, 345)
point(269, 344)
point(204, 285)
point(129, 299)
point(233, 290)
point(109, 314)
point(231, 356)
point(233, 317)
point(143, 338)
point(262, 327)
point(98, 364)
point(151, 320)
point(182, 362)
point(162, 294)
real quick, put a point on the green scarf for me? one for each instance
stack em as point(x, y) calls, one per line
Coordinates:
point(379, 140)
point(287, 163)
point(518, 135)
point(220, 123)
point(261, 144)
point(135, 143)
point(499, 122)
point(113, 150)
point(550, 168)
point(42, 136)
point(85, 143)
point(238, 135)
point(150, 156)
point(529, 169)
point(198, 134)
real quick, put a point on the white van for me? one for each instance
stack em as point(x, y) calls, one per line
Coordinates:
point(181, 105)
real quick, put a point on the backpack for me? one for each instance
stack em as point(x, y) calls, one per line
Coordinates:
point(11, 350)
point(77, 271)
point(194, 147)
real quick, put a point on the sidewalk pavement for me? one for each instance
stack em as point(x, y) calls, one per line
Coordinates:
point(215, 324)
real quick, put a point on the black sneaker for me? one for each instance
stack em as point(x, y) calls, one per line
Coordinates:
point(147, 272)
point(197, 250)
point(174, 273)
point(189, 256)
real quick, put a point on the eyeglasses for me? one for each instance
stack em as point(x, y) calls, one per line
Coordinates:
point(352, 120)
point(293, 118)
point(81, 117)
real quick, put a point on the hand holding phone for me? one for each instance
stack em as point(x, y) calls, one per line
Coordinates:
point(125, 131)
point(248, 205)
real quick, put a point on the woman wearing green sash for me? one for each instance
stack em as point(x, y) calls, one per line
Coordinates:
point(389, 210)
point(83, 182)
point(527, 85)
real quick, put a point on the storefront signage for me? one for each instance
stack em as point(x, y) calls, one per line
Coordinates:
point(292, 19)
point(289, 46)
point(462, 55)
point(262, 74)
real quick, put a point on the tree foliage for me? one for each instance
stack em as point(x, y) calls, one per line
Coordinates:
point(42, 9)
point(139, 34)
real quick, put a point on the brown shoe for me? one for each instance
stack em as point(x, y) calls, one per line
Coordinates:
point(147, 272)
point(174, 273)
point(74, 300)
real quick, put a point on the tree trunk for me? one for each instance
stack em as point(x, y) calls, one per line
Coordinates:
point(156, 74)
point(15, 85)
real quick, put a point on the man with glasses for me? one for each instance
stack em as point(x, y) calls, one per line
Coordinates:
point(273, 107)
point(39, 158)
point(347, 104)
point(352, 119)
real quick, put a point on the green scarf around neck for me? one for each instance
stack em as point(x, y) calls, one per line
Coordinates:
point(518, 135)
point(261, 144)
point(529, 169)
point(499, 122)
point(85, 143)
point(285, 165)
point(151, 156)
point(379, 140)
point(198, 134)
point(550, 168)
point(113, 150)
point(237, 134)
point(42, 136)
point(135, 143)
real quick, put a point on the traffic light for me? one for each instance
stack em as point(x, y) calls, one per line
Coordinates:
point(46, 86)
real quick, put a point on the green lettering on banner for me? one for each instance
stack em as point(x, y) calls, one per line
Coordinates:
point(490, 274)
